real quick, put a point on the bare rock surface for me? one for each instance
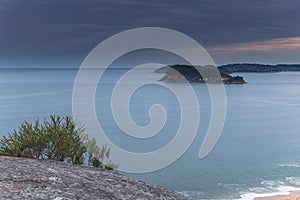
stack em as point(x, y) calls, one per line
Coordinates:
point(22, 178)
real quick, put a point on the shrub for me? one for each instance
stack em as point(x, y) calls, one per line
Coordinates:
point(57, 139)
point(110, 165)
point(99, 157)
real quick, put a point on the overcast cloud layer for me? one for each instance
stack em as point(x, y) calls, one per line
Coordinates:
point(62, 32)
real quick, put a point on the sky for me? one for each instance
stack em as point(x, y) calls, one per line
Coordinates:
point(60, 33)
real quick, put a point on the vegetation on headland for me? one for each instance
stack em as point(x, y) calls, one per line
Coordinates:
point(57, 139)
point(197, 74)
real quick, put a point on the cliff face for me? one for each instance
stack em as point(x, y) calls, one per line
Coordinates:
point(22, 178)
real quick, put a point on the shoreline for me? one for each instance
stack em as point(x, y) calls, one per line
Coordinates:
point(280, 193)
point(292, 195)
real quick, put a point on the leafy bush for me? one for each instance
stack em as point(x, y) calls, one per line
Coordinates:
point(57, 139)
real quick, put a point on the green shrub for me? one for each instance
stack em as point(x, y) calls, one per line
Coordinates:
point(98, 157)
point(110, 165)
point(57, 139)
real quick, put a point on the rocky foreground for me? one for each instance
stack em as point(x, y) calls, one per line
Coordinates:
point(22, 178)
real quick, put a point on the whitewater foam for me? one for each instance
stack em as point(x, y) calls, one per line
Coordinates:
point(289, 165)
point(281, 190)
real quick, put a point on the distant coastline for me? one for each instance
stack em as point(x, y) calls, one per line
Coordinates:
point(258, 68)
point(180, 73)
point(226, 68)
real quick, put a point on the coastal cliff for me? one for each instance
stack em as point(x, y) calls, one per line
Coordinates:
point(197, 74)
point(23, 178)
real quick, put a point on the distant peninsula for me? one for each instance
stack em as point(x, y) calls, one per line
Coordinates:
point(188, 73)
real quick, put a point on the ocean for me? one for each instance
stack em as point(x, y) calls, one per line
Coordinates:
point(258, 152)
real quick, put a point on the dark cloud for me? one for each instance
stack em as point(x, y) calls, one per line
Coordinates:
point(62, 32)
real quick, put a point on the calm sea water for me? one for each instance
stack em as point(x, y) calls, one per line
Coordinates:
point(258, 151)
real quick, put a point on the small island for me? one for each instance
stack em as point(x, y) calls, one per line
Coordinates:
point(197, 74)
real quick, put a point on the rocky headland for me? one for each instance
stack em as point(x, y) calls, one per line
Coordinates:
point(22, 178)
point(197, 74)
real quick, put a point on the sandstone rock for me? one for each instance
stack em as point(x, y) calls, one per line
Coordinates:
point(22, 178)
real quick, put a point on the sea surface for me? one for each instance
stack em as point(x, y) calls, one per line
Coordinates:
point(258, 152)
